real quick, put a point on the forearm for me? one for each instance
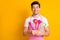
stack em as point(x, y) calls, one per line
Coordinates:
point(41, 33)
point(46, 33)
point(27, 32)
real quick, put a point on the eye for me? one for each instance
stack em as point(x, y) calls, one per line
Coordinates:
point(37, 7)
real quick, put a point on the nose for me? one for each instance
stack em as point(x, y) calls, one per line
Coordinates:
point(35, 9)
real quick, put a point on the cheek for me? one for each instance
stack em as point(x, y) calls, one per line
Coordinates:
point(35, 10)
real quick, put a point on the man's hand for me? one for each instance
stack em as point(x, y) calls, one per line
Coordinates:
point(34, 32)
point(37, 33)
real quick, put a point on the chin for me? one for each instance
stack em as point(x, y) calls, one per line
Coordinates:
point(36, 13)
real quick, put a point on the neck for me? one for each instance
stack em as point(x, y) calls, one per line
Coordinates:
point(35, 15)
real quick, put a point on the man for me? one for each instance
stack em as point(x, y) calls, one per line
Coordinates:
point(36, 25)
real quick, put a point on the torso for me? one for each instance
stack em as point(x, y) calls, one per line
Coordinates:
point(41, 18)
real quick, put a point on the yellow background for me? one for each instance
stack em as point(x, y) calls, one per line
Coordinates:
point(14, 12)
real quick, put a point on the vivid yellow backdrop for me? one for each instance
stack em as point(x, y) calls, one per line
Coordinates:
point(14, 12)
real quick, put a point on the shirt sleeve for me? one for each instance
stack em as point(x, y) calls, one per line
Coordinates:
point(26, 23)
point(45, 22)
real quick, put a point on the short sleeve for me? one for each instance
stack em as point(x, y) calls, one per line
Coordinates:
point(46, 23)
point(26, 22)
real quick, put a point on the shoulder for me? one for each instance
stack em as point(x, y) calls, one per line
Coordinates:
point(45, 21)
point(43, 17)
point(28, 18)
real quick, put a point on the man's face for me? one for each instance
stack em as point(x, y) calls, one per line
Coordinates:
point(35, 8)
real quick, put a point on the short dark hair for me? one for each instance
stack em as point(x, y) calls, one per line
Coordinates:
point(35, 2)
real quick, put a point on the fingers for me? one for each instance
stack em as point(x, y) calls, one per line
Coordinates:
point(37, 33)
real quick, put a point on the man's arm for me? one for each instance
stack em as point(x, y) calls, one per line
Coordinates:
point(46, 28)
point(26, 26)
point(26, 31)
point(46, 31)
